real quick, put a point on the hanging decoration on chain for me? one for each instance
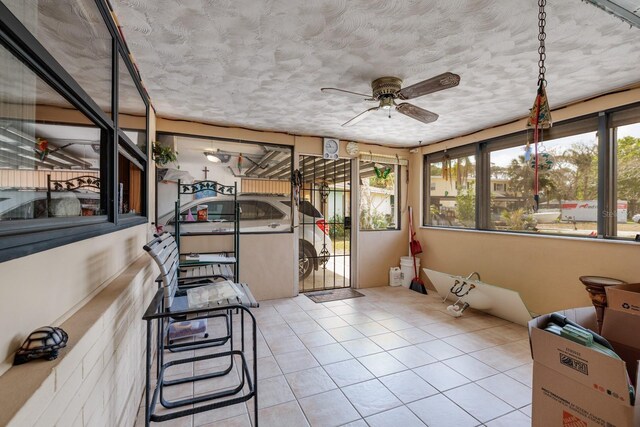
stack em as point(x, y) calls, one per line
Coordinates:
point(296, 183)
point(240, 164)
point(446, 166)
point(540, 116)
point(324, 191)
point(544, 161)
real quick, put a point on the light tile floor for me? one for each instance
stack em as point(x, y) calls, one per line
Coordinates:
point(391, 358)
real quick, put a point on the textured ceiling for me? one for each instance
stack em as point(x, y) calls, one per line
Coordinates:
point(261, 64)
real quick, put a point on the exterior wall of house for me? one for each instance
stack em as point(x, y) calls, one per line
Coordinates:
point(545, 270)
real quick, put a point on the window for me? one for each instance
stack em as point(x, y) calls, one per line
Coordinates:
point(49, 166)
point(219, 211)
point(626, 134)
point(378, 196)
point(60, 177)
point(452, 196)
point(132, 110)
point(258, 210)
point(131, 184)
point(305, 208)
point(261, 173)
point(587, 179)
point(567, 186)
point(75, 34)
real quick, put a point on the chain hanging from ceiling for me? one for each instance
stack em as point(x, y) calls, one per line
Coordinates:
point(540, 116)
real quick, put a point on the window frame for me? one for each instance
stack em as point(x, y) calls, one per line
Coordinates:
point(397, 170)
point(600, 122)
point(22, 239)
point(290, 228)
point(607, 121)
point(454, 153)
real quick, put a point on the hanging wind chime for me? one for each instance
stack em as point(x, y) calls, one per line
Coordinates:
point(540, 116)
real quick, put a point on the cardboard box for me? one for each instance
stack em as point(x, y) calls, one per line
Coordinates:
point(624, 298)
point(622, 330)
point(574, 385)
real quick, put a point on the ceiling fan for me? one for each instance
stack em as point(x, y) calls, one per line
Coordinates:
point(387, 89)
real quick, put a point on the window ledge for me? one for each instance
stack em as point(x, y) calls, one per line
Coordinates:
point(535, 236)
point(30, 243)
point(28, 391)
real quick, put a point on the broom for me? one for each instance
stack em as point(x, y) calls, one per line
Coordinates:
point(414, 246)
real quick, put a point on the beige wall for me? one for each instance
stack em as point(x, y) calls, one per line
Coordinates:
point(267, 262)
point(99, 377)
point(45, 288)
point(379, 251)
point(544, 270)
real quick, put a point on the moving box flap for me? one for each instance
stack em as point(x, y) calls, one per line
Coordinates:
point(624, 298)
point(621, 329)
point(580, 363)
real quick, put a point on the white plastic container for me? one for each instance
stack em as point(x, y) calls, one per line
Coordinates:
point(406, 266)
point(395, 276)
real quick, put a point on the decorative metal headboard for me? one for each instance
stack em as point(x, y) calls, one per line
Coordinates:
point(85, 181)
point(214, 186)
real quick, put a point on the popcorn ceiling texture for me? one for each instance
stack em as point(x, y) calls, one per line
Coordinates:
point(261, 64)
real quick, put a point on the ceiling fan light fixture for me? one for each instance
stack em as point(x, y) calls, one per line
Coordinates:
point(212, 157)
point(386, 102)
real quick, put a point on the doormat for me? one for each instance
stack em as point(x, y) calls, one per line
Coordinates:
point(333, 295)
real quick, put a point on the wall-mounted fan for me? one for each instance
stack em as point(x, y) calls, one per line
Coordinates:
point(387, 89)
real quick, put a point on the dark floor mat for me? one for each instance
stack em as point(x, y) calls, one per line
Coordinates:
point(333, 295)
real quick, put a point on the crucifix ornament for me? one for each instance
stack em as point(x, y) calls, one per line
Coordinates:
point(206, 171)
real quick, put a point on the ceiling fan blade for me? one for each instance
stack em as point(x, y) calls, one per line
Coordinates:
point(360, 116)
point(417, 113)
point(346, 92)
point(434, 84)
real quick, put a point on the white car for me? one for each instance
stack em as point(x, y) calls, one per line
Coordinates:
point(32, 204)
point(258, 213)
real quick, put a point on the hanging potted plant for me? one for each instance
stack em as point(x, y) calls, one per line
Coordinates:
point(163, 155)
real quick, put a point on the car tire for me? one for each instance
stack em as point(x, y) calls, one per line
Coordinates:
point(306, 257)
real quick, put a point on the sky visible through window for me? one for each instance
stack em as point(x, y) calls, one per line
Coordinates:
point(557, 146)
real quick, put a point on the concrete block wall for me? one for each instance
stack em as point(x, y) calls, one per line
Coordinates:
point(98, 379)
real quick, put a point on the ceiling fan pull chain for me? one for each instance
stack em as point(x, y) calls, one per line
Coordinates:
point(542, 35)
point(540, 114)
